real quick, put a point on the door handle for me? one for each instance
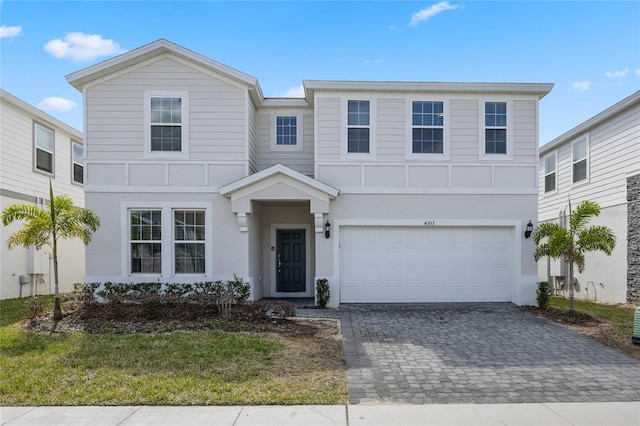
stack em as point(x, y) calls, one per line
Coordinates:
point(279, 262)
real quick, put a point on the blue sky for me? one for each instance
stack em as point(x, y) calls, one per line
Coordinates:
point(590, 50)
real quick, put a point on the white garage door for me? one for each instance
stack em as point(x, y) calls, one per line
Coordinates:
point(439, 264)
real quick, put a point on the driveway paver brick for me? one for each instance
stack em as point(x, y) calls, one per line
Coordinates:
point(454, 353)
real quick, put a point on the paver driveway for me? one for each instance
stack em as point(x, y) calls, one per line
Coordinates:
point(476, 353)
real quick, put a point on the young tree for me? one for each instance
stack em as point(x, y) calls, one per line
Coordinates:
point(571, 244)
point(61, 220)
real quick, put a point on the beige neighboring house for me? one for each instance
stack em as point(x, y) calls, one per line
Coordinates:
point(393, 191)
point(599, 160)
point(36, 148)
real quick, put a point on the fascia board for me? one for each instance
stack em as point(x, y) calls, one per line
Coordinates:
point(594, 121)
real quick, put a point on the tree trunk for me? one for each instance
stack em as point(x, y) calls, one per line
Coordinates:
point(57, 311)
point(571, 291)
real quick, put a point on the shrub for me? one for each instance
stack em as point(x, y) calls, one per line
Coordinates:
point(543, 294)
point(322, 292)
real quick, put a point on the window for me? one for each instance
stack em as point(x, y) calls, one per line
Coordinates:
point(580, 160)
point(495, 133)
point(44, 142)
point(146, 241)
point(166, 124)
point(550, 173)
point(358, 126)
point(286, 130)
point(78, 162)
point(427, 121)
point(189, 241)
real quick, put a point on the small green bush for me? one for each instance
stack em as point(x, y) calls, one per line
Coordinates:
point(543, 294)
point(323, 294)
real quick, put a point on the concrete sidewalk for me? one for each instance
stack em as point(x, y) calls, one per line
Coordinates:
point(597, 413)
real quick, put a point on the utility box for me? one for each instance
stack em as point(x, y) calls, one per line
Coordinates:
point(636, 327)
point(38, 261)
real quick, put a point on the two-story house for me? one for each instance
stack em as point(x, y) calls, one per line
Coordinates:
point(393, 191)
point(36, 148)
point(598, 160)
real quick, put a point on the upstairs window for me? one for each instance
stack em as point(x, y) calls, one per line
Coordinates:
point(286, 130)
point(146, 241)
point(44, 143)
point(358, 126)
point(166, 124)
point(77, 152)
point(580, 160)
point(427, 121)
point(189, 241)
point(550, 173)
point(495, 133)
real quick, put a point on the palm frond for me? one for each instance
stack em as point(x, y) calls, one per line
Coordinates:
point(579, 217)
point(597, 238)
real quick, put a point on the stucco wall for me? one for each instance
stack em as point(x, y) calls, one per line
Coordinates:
point(633, 238)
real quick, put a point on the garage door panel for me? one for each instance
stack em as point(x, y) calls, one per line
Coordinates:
point(408, 264)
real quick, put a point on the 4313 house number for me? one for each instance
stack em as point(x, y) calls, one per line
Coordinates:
point(430, 223)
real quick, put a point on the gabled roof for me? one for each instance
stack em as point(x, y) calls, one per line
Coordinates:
point(80, 78)
point(40, 115)
point(594, 121)
point(272, 171)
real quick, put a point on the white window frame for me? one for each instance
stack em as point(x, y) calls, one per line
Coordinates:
point(51, 173)
point(409, 154)
point(175, 241)
point(299, 146)
point(372, 128)
point(74, 163)
point(545, 173)
point(168, 255)
point(131, 241)
point(585, 140)
point(482, 154)
point(184, 96)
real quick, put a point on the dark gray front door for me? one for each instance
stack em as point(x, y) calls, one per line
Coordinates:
point(290, 260)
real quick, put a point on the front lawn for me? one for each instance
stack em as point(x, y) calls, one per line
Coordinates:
point(201, 367)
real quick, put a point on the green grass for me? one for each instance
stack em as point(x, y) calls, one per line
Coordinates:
point(181, 368)
point(620, 318)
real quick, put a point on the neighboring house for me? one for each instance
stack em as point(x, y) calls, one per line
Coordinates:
point(393, 191)
point(598, 160)
point(35, 148)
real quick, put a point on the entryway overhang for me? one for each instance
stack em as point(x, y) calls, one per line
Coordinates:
point(279, 183)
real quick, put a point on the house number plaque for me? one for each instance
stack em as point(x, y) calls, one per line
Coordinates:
point(430, 223)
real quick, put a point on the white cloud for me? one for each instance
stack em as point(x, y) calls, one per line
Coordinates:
point(294, 92)
point(582, 85)
point(10, 31)
point(617, 74)
point(431, 11)
point(57, 104)
point(82, 47)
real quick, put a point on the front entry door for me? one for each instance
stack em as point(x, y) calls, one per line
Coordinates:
point(290, 260)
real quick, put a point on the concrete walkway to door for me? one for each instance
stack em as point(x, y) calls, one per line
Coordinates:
point(484, 353)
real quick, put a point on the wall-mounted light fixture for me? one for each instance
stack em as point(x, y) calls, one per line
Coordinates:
point(529, 230)
point(327, 229)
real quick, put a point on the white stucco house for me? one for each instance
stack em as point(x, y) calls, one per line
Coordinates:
point(599, 160)
point(393, 191)
point(36, 148)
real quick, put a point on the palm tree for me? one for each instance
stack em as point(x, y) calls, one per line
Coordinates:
point(46, 226)
point(571, 244)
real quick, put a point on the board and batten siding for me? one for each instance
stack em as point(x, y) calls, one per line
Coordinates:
point(614, 152)
point(300, 161)
point(115, 123)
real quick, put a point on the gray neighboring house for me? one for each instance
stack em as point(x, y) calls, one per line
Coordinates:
point(36, 148)
point(598, 160)
point(393, 191)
